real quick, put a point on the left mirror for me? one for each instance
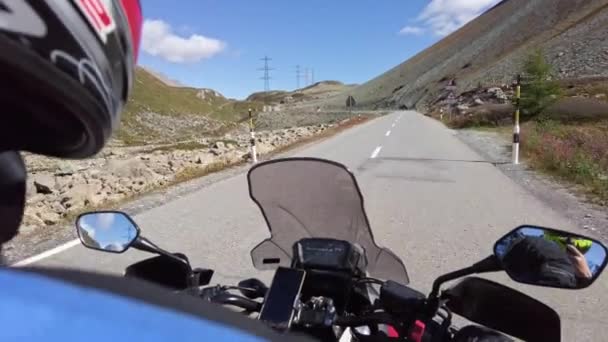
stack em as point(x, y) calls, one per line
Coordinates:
point(549, 257)
point(110, 231)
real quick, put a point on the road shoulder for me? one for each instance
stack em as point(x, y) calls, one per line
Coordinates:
point(565, 199)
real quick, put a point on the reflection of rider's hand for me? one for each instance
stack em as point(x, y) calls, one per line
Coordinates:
point(579, 261)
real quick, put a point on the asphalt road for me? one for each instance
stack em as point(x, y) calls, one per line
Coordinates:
point(429, 198)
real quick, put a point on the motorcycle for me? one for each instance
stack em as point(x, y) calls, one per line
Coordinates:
point(334, 283)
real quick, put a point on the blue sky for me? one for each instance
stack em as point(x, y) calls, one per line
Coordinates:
point(218, 43)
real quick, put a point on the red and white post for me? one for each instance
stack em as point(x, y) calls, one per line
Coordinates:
point(516, 128)
point(254, 154)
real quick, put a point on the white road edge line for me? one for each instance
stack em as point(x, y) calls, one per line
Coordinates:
point(388, 133)
point(376, 152)
point(47, 254)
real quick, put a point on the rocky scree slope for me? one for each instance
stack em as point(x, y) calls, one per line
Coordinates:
point(489, 51)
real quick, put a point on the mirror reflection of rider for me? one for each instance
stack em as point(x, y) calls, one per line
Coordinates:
point(539, 260)
point(575, 249)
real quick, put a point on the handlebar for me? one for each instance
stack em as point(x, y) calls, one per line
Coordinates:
point(220, 295)
point(238, 301)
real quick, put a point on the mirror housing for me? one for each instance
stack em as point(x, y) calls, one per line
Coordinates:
point(501, 308)
point(163, 271)
point(108, 231)
point(550, 257)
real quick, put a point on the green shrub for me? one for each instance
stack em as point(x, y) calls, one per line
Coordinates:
point(539, 89)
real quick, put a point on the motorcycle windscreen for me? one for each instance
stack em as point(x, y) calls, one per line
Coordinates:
point(314, 198)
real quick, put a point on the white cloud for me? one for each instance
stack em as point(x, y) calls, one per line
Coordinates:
point(415, 30)
point(159, 40)
point(105, 220)
point(443, 17)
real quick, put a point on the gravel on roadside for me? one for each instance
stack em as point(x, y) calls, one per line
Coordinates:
point(561, 197)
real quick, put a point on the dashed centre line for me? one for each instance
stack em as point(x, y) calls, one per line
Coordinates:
point(376, 152)
point(388, 133)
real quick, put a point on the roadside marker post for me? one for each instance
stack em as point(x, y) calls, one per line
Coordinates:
point(516, 128)
point(254, 155)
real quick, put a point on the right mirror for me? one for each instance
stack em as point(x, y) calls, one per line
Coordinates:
point(549, 257)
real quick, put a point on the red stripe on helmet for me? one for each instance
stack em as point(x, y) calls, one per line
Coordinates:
point(86, 5)
point(132, 9)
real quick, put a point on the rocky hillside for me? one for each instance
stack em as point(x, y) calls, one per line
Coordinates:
point(489, 51)
point(163, 78)
point(161, 112)
point(59, 189)
point(158, 112)
point(168, 135)
point(317, 91)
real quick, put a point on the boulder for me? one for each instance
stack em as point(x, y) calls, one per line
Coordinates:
point(57, 207)
point(126, 168)
point(79, 196)
point(498, 93)
point(35, 199)
point(66, 169)
point(31, 219)
point(216, 152)
point(232, 157)
point(204, 158)
point(48, 217)
point(64, 182)
point(462, 108)
point(43, 183)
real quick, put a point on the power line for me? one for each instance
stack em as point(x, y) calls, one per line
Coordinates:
point(298, 76)
point(306, 77)
point(266, 70)
point(313, 76)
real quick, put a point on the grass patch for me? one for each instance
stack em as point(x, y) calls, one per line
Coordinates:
point(190, 173)
point(576, 153)
point(506, 130)
point(151, 95)
point(182, 146)
point(490, 115)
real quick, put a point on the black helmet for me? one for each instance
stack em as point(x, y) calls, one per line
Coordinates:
point(67, 69)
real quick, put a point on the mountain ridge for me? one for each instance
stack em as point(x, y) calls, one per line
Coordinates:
point(489, 50)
